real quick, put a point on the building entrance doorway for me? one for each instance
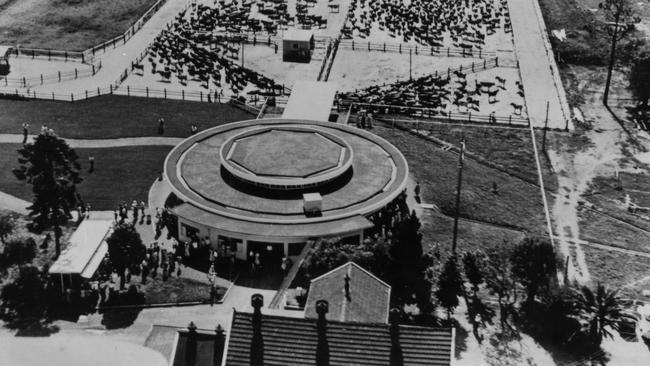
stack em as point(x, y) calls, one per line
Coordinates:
point(270, 255)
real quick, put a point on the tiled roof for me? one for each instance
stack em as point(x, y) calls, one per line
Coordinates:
point(293, 341)
point(369, 296)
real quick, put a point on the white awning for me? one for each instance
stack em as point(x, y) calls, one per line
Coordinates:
point(86, 249)
point(310, 100)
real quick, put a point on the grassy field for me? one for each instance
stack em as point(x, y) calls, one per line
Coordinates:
point(66, 24)
point(517, 204)
point(114, 116)
point(510, 149)
point(121, 174)
point(631, 279)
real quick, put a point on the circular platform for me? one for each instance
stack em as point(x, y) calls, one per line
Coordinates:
point(256, 172)
point(286, 158)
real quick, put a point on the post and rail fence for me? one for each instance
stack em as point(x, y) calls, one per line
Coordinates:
point(407, 48)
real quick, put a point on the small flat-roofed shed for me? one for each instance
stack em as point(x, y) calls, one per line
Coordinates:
point(84, 254)
point(297, 45)
point(310, 100)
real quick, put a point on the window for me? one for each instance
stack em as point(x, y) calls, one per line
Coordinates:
point(294, 46)
point(189, 231)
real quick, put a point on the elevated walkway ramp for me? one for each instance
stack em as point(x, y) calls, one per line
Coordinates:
point(310, 100)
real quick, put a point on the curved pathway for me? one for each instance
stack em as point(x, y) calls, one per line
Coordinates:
point(105, 143)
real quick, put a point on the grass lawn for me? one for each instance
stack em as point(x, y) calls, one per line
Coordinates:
point(606, 267)
point(114, 116)
point(121, 174)
point(517, 204)
point(509, 148)
point(438, 228)
point(66, 24)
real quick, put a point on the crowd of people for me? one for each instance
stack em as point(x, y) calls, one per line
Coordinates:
point(440, 94)
point(466, 23)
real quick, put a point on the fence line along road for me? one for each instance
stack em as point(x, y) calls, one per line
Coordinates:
point(414, 49)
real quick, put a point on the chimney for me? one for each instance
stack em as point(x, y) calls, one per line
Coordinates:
point(396, 356)
point(219, 344)
point(190, 345)
point(347, 287)
point(322, 347)
point(257, 342)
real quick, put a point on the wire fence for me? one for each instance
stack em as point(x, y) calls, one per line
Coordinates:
point(415, 49)
point(49, 54)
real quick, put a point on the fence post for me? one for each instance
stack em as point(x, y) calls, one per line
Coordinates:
point(146, 88)
point(469, 117)
point(353, 45)
point(400, 48)
point(165, 92)
point(496, 59)
point(59, 76)
point(24, 82)
point(49, 55)
point(448, 70)
point(98, 92)
point(33, 54)
point(86, 94)
point(110, 88)
point(416, 49)
point(93, 70)
point(183, 93)
point(83, 58)
point(128, 91)
point(41, 79)
point(384, 47)
point(510, 120)
point(447, 51)
point(71, 97)
point(480, 52)
point(52, 95)
point(76, 74)
point(201, 95)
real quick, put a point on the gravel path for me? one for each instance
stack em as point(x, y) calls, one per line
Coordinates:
point(89, 144)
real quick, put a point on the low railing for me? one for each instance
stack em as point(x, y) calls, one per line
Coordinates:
point(356, 45)
point(59, 55)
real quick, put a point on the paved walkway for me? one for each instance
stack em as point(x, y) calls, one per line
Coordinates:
point(89, 144)
point(537, 66)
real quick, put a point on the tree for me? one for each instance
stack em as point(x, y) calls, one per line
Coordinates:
point(596, 312)
point(534, 264)
point(450, 285)
point(640, 85)
point(23, 296)
point(7, 226)
point(500, 280)
point(51, 167)
point(18, 251)
point(473, 270)
point(125, 249)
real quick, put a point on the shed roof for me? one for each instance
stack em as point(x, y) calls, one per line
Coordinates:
point(293, 341)
point(310, 100)
point(86, 249)
point(295, 34)
point(369, 296)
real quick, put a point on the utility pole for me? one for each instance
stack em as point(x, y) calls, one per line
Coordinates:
point(545, 128)
point(611, 56)
point(410, 64)
point(461, 157)
point(242, 52)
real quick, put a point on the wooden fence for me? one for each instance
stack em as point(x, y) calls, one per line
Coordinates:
point(414, 49)
point(56, 77)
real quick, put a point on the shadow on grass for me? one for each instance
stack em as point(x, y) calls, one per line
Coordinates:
point(31, 327)
point(122, 318)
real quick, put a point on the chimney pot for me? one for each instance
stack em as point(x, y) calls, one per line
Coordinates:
point(257, 301)
point(322, 307)
point(192, 327)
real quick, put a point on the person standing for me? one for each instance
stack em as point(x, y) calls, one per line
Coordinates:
point(161, 126)
point(25, 132)
point(91, 161)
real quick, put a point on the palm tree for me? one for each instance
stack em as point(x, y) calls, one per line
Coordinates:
point(597, 312)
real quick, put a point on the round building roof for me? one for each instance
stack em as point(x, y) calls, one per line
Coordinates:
point(255, 172)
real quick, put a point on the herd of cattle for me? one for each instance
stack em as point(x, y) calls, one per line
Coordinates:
point(465, 23)
point(440, 94)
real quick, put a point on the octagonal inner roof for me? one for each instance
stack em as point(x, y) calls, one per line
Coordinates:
point(286, 153)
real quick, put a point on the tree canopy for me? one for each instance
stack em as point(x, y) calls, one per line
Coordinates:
point(534, 264)
point(125, 247)
point(50, 166)
point(450, 285)
point(17, 251)
point(640, 79)
point(24, 294)
point(7, 226)
point(597, 312)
